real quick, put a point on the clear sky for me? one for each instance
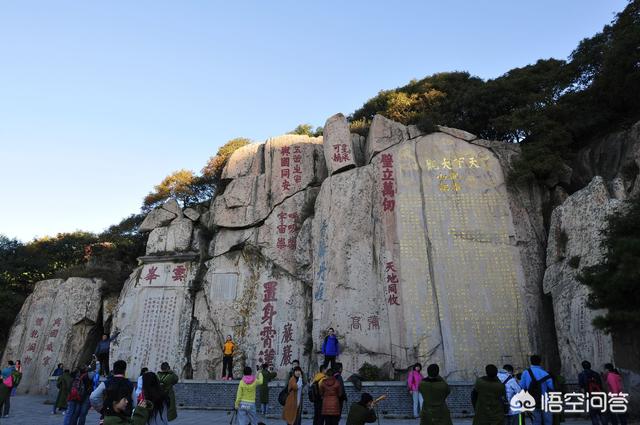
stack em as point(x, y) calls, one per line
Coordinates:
point(99, 100)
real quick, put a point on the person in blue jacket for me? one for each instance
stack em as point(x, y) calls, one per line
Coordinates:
point(330, 349)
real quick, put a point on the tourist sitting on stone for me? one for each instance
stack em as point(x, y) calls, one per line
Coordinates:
point(488, 397)
point(292, 412)
point(168, 379)
point(102, 352)
point(228, 349)
point(267, 373)
point(315, 397)
point(153, 392)
point(245, 402)
point(137, 393)
point(330, 349)
point(362, 412)
point(117, 408)
point(413, 382)
point(331, 393)
point(434, 391)
point(505, 375)
point(117, 380)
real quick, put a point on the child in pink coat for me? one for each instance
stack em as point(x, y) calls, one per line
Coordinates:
point(413, 382)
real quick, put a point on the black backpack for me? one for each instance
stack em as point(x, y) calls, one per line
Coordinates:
point(535, 388)
point(314, 392)
point(282, 397)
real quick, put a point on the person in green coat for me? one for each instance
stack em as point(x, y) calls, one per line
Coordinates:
point(268, 375)
point(435, 391)
point(488, 398)
point(168, 379)
point(64, 386)
point(116, 406)
point(362, 412)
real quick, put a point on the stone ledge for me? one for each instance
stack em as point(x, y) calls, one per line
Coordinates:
point(168, 258)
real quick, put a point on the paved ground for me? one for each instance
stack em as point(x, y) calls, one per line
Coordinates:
point(31, 410)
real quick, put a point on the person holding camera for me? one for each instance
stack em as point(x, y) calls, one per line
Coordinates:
point(268, 375)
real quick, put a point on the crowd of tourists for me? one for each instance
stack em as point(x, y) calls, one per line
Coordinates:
point(151, 400)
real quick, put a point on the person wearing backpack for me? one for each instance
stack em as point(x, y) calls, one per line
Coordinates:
point(168, 379)
point(537, 382)
point(315, 397)
point(488, 397)
point(330, 349)
point(267, 376)
point(590, 382)
point(78, 398)
point(115, 381)
point(7, 380)
point(505, 375)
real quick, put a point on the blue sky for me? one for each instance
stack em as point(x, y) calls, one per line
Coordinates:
point(100, 100)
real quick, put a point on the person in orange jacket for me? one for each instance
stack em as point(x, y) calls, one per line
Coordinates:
point(228, 349)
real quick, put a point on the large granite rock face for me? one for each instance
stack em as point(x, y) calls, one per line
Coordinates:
point(57, 324)
point(338, 150)
point(262, 306)
point(575, 238)
point(153, 316)
point(389, 240)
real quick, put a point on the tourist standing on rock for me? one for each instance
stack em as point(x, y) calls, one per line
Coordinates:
point(331, 393)
point(330, 349)
point(267, 376)
point(137, 393)
point(434, 391)
point(537, 382)
point(228, 349)
point(245, 402)
point(413, 382)
point(614, 386)
point(102, 352)
point(168, 379)
point(117, 408)
point(590, 382)
point(362, 412)
point(505, 375)
point(152, 391)
point(488, 397)
point(315, 397)
point(292, 412)
point(116, 382)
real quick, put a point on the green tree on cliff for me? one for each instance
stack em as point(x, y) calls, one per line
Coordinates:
point(307, 130)
point(615, 284)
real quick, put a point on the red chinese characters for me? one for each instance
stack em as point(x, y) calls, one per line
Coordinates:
point(287, 230)
point(285, 171)
point(374, 322)
point(151, 274)
point(341, 153)
point(179, 273)
point(297, 162)
point(287, 339)
point(388, 183)
point(392, 283)
point(268, 333)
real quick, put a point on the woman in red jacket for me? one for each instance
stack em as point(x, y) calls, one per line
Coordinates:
point(331, 391)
